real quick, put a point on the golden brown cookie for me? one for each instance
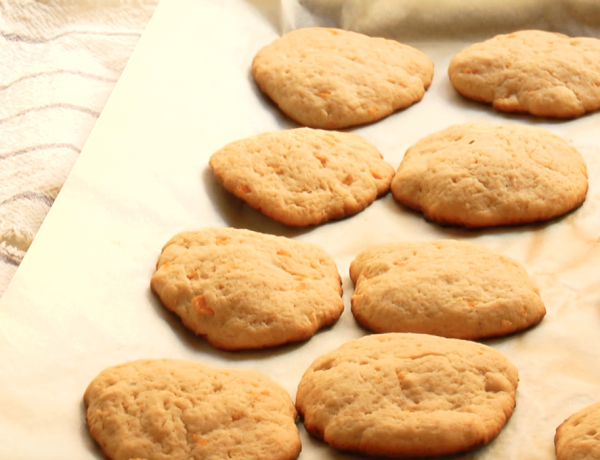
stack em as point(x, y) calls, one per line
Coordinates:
point(332, 78)
point(181, 410)
point(532, 71)
point(448, 288)
point(578, 437)
point(246, 290)
point(303, 176)
point(483, 175)
point(407, 395)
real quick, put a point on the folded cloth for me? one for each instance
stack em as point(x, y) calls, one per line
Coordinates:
point(458, 19)
point(59, 63)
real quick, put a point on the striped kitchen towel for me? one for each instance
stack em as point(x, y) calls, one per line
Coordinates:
point(59, 61)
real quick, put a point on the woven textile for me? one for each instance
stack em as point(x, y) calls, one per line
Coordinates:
point(59, 61)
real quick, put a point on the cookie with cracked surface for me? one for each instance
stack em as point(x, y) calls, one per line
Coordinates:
point(333, 79)
point(412, 395)
point(303, 176)
point(541, 73)
point(578, 437)
point(454, 289)
point(181, 410)
point(245, 290)
point(483, 175)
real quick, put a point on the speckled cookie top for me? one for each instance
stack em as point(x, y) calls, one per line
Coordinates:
point(407, 394)
point(332, 78)
point(480, 175)
point(578, 437)
point(182, 410)
point(541, 73)
point(303, 176)
point(247, 290)
point(449, 288)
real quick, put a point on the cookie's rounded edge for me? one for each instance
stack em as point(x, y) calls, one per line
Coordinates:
point(558, 102)
point(94, 395)
point(325, 362)
point(325, 213)
point(169, 300)
point(442, 217)
point(578, 447)
point(470, 330)
point(371, 115)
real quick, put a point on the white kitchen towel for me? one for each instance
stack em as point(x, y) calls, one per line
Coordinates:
point(59, 61)
point(458, 19)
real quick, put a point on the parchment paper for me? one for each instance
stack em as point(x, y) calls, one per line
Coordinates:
point(81, 301)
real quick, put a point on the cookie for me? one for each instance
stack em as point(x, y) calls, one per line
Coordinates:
point(541, 73)
point(181, 410)
point(303, 176)
point(448, 288)
point(407, 395)
point(578, 437)
point(332, 78)
point(246, 290)
point(484, 175)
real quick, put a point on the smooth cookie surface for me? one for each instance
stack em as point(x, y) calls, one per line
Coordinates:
point(303, 176)
point(448, 288)
point(483, 175)
point(407, 395)
point(541, 73)
point(183, 410)
point(246, 290)
point(332, 78)
point(578, 437)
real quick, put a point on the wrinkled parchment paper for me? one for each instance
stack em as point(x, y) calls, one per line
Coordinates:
point(81, 301)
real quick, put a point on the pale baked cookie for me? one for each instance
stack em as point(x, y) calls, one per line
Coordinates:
point(578, 437)
point(182, 410)
point(541, 73)
point(483, 175)
point(448, 288)
point(332, 78)
point(407, 395)
point(246, 290)
point(303, 176)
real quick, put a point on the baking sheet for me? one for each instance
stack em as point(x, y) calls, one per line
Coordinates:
point(81, 301)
